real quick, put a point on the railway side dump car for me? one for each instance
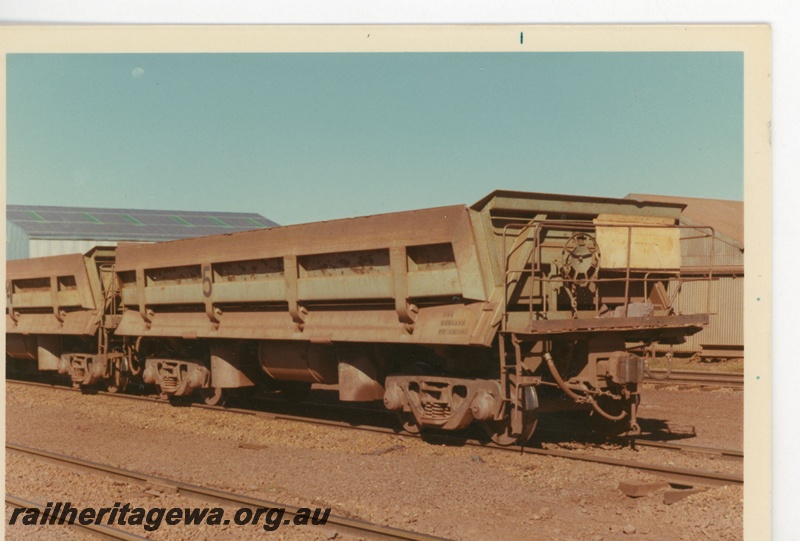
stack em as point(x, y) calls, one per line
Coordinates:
point(61, 311)
point(520, 304)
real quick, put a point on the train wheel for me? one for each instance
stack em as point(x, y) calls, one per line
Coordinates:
point(119, 378)
point(118, 383)
point(214, 396)
point(500, 431)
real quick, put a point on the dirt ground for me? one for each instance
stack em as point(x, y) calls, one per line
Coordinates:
point(452, 491)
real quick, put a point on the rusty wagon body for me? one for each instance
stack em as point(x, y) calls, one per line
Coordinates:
point(490, 313)
point(61, 311)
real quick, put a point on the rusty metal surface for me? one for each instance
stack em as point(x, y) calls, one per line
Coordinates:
point(431, 276)
point(54, 295)
point(346, 280)
point(627, 325)
point(389, 306)
point(507, 200)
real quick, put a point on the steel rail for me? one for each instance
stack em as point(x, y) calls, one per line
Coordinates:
point(350, 525)
point(732, 453)
point(697, 377)
point(646, 441)
point(98, 530)
point(679, 475)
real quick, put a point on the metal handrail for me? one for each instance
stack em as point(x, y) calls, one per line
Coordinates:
point(571, 225)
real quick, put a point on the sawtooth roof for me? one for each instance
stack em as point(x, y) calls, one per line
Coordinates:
point(47, 222)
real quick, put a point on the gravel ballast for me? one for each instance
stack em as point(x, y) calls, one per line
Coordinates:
point(452, 491)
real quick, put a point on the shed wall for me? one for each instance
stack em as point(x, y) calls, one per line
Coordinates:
point(726, 321)
point(697, 252)
point(48, 247)
point(17, 242)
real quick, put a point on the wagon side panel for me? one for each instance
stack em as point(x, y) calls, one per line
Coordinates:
point(410, 277)
point(53, 295)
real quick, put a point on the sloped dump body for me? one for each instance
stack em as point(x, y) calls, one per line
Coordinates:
point(61, 312)
point(416, 277)
point(492, 313)
point(59, 295)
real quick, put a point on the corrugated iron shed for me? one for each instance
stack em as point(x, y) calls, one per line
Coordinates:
point(724, 335)
point(44, 222)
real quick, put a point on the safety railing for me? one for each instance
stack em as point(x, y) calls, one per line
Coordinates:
point(529, 235)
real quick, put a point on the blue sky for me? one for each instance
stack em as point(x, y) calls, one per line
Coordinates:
point(302, 137)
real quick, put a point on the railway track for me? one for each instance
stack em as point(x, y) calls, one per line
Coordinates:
point(681, 476)
point(696, 378)
point(635, 442)
point(686, 448)
point(340, 523)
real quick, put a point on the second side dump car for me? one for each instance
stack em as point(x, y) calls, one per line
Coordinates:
point(62, 311)
point(520, 304)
